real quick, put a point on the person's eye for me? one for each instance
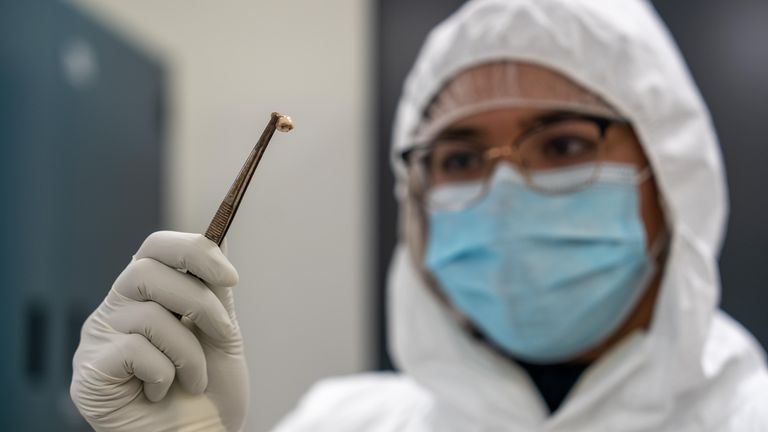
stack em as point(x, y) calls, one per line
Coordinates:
point(568, 148)
point(459, 161)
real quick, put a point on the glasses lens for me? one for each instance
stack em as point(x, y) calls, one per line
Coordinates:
point(456, 162)
point(562, 156)
point(452, 173)
point(558, 157)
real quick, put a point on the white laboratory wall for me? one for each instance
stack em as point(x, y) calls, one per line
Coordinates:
point(300, 240)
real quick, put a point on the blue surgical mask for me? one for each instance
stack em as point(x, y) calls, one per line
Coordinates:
point(544, 277)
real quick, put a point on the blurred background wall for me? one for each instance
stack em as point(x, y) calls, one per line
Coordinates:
point(300, 241)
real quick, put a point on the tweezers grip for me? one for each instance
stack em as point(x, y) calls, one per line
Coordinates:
point(222, 220)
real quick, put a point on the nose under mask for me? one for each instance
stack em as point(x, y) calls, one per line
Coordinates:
point(544, 277)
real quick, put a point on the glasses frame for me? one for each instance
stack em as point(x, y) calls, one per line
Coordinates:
point(494, 153)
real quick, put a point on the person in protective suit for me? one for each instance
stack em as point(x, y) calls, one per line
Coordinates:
point(563, 204)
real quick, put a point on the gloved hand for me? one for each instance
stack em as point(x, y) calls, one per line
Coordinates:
point(140, 368)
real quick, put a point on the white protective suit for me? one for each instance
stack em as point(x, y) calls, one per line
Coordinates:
point(695, 369)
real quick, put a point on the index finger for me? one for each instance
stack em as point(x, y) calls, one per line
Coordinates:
point(192, 252)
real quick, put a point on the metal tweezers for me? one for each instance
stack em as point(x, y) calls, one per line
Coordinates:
point(226, 213)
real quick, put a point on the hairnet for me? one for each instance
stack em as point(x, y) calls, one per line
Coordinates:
point(506, 84)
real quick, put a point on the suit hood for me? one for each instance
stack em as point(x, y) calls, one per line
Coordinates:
point(621, 51)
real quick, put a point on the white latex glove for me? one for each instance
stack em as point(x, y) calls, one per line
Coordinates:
point(140, 368)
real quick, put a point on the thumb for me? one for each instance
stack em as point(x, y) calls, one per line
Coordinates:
point(225, 294)
point(232, 343)
point(227, 298)
point(224, 248)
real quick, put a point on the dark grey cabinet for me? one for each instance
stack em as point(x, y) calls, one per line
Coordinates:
point(81, 132)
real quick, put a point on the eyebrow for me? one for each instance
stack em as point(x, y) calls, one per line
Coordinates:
point(547, 117)
point(471, 132)
point(460, 132)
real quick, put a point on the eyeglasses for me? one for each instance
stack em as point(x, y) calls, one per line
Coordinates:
point(563, 141)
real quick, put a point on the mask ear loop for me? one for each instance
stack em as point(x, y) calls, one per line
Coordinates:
point(660, 245)
point(662, 239)
point(657, 252)
point(643, 175)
